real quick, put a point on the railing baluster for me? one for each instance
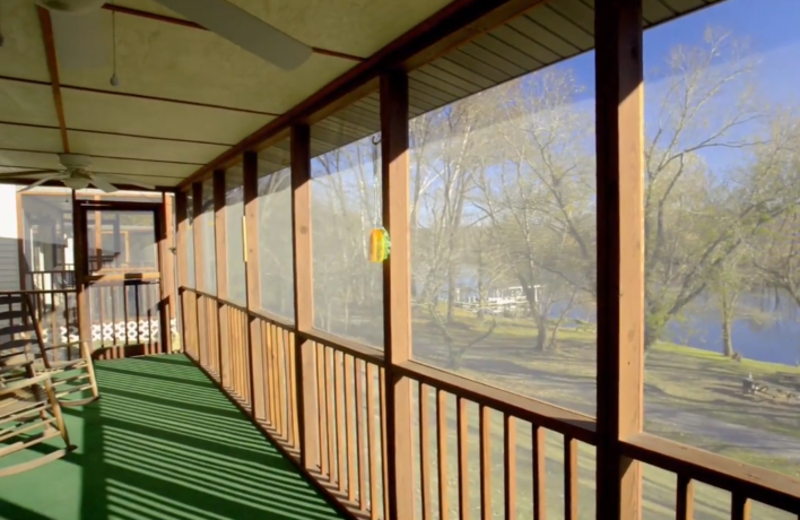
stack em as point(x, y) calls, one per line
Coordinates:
point(295, 407)
point(269, 375)
point(486, 463)
point(740, 507)
point(424, 450)
point(281, 373)
point(539, 472)
point(340, 434)
point(360, 434)
point(350, 426)
point(322, 416)
point(510, 466)
point(273, 360)
point(463, 459)
point(384, 454)
point(329, 413)
point(373, 442)
point(441, 448)
point(570, 478)
point(684, 502)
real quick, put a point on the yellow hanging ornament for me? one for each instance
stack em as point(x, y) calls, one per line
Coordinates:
point(379, 245)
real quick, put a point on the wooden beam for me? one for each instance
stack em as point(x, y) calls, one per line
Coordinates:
point(168, 286)
point(620, 257)
point(80, 255)
point(252, 271)
point(192, 25)
point(397, 292)
point(116, 134)
point(120, 93)
point(52, 67)
point(305, 362)
point(221, 266)
point(220, 226)
point(182, 238)
point(197, 230)
point(454, 25)
point(22, 261)
point(59, 184)
point(116, 158)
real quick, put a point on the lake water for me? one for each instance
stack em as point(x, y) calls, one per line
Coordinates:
point(766, 329)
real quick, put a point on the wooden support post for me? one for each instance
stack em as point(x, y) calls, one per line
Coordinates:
point(182, 259)
point(197, 231)
point(167, 267)
point(81, 268)
point(254, 340)
point(23, 267)
point(620, 256)
point(305, 361)
point(397, 291)
point(221, 264)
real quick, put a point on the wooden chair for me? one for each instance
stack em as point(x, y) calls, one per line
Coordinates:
point(29, 404)
point(21, 327)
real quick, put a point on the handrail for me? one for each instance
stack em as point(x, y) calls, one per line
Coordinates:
point(762, 485)
point(552, 417)
point(745, 482)
point(37, 291)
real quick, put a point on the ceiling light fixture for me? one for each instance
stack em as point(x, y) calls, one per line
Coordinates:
point(114, 79)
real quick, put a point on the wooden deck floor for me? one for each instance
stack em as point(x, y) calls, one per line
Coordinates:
point(162, 444)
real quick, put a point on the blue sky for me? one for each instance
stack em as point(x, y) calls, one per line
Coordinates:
point(769, 26)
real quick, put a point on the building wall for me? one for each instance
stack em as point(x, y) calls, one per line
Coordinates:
point(9, 252)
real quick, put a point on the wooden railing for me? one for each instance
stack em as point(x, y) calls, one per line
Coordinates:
point(121, 318)
point(56, 311)
point(476, 436)
point(125, 317)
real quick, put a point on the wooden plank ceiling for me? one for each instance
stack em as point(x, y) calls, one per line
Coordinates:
point(186, 95)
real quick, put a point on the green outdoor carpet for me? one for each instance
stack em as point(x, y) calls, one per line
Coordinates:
point(162, 444)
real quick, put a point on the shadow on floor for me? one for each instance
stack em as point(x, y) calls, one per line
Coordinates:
point(162, 444)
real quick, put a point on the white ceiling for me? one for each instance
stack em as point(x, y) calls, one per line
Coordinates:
point(211, 93)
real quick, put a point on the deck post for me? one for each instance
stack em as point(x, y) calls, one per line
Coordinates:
point(81, 268)
point(252, 272)
point(397, 291)
point(197, 232)
point(167, 266)
point(305, 358)
point(620, 255)
point(182, 254)
point(221, 265)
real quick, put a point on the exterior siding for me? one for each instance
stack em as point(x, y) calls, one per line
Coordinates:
point(9, 252)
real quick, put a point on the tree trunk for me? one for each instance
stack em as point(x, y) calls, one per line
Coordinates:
point(727, 325)
point(541, 332)
point(451, 294)
point(727, 341)
point(651, 335)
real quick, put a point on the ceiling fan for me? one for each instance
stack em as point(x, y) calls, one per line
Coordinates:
point(75, 175)
point(80, 36)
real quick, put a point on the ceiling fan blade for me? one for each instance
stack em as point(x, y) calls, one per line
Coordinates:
point(42, 181)
point(22, 173)
point(103, 184)
point(243, 29)
point(122, 179)
point(82, 41)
